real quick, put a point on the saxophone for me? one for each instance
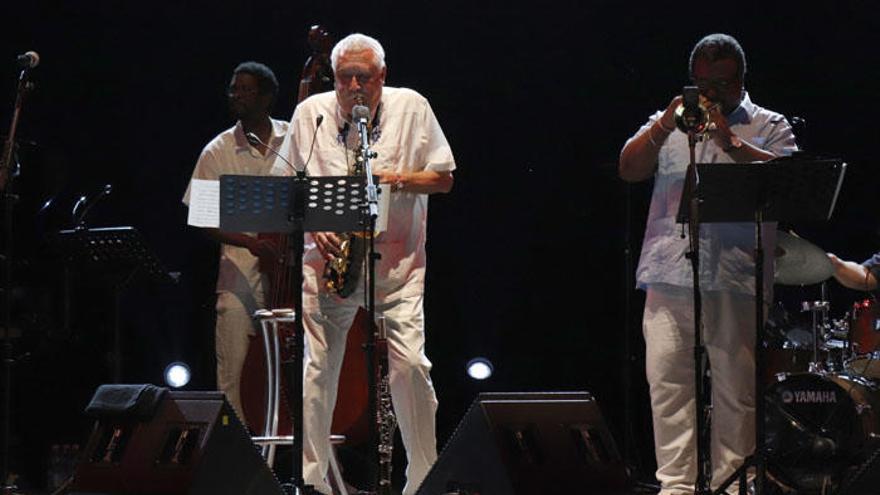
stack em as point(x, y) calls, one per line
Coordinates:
point(386, 422)
point(342, 272)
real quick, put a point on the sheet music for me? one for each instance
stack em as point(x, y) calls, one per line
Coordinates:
point(204, 203)
point(384, 204)
point(204, 206)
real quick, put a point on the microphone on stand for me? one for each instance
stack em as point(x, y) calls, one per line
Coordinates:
point(360, 114)
point(254, 141)
point(28, 60)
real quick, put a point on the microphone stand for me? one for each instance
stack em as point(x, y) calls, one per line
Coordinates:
point(9, 168)
point(703, 409)
point(692, 183)
point(293, 366)
point(370, 347)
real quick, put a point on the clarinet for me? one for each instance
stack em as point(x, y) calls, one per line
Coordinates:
point(385, 421)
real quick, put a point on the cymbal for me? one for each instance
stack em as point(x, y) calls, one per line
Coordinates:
point(799, 262)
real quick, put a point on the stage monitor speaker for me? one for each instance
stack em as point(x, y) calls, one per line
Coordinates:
point(527, 443)
point(193, 444)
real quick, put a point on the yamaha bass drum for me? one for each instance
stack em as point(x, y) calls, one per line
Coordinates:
point(819, 428)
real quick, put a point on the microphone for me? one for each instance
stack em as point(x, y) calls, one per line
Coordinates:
point(28, 60)
point(690, 116)
point(254, 141)
point(318, 122)
point(360, 114)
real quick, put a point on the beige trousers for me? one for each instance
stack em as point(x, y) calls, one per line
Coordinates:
point(729, 336)
point(327, 320)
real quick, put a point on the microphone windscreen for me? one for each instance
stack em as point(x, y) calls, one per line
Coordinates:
point(360, 112)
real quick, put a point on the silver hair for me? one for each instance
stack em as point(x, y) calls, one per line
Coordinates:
point(357, 42)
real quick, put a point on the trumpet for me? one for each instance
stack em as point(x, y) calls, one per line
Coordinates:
point(692, 115)
point(698, 120)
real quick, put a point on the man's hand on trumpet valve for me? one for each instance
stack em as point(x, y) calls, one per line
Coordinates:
point(718, 130)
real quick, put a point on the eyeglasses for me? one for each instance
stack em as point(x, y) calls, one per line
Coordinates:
point(716, 84)
point(362, 77)
point(241, 90)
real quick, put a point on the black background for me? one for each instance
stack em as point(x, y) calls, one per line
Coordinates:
point(527, 255)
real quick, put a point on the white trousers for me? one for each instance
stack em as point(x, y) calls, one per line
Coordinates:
point(327, 320)
point(729, 336)
point(235, 325)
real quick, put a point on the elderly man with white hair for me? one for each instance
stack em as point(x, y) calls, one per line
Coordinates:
point(414, 157)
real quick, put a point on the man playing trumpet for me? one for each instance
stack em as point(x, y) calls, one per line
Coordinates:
point(737, 131)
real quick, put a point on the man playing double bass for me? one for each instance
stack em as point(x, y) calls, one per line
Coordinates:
point(240, 285)
point(416, 160)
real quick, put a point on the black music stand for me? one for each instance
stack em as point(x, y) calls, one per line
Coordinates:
point(118, 254)
point(785, 189)
point(293, 206)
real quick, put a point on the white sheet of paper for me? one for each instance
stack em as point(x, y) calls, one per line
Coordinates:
point(204, 203)
point(384, 203)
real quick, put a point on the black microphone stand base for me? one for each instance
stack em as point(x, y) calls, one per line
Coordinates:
point(302, 489)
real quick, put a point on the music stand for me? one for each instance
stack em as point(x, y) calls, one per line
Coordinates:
point(118, 254)
point(786, 189)
point(293, 206)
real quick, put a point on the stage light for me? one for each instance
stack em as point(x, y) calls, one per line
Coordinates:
point(479, 368)
point(177, 374)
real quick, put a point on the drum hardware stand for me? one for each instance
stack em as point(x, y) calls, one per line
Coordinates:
point(279, 205)
point(765, 192)
point(9, 169)
point(819, 317)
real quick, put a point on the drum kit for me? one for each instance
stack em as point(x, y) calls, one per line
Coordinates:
point(822, 412)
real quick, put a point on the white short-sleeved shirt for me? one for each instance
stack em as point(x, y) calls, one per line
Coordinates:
point(230, 153)
point(407, 138)
point(726, 249)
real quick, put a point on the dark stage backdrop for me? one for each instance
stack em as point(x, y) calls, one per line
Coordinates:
point(528, 254)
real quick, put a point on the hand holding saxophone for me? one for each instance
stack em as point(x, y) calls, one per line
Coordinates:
point(329, 244)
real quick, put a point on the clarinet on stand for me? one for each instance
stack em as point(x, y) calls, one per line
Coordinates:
point(9, 168)
point(386, 423)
